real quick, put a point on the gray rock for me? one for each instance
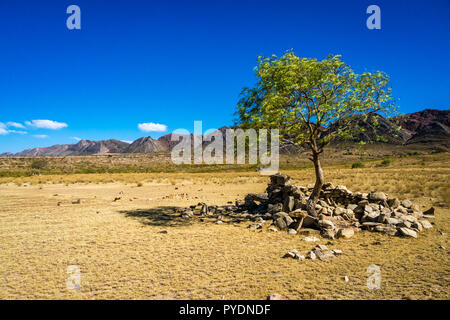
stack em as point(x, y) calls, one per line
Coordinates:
point(345, 233)
point(321, 247)
point(282, 220)
point(279, 179)
point(426, 224)
point(289, 204)
point(272, 229)
point(393, 221)
point(261, 197)
point(408, 232)
point(292, 231)
point(326, 224)
point(386, 229)
point(429, 211)
point(406, 203)
point(311, 255)
point(338, 211)
point(324, 255)
point(393, 203)
point(328, 233)
point(377, 196)
point(294, 254)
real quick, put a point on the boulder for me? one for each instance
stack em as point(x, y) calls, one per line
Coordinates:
point(426, 224)
point(279, 179)
point(377, 196)
point(289, 203)
point(393, 203)
point(406, 203)
point(407, 232)
point(386, 229)
point(261, 197)
point(282, 220)
point(345, 233)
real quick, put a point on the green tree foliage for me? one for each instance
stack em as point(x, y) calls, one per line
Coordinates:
point(312, 102)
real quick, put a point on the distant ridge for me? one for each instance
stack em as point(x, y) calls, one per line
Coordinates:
point(429, 126)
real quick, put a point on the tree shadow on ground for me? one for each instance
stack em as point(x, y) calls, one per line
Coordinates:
point(163, 216)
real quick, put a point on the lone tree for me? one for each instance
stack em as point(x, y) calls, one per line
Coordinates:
point(313, 102)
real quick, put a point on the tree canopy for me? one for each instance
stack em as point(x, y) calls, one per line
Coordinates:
point(312, 101)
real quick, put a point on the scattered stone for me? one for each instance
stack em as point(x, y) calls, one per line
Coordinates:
point(294, 254)
point(429, 211)
point(345, 233)
point(274, 296)
point(311, 239)
point(426, 224)
point(321, 247)
point(311, 255)
point(164, 231)
point(346, 279)
point(272, 229)
point(292, 231)
point(219, 222)
point(337, 251)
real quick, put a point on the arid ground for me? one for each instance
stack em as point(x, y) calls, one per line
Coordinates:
point(122, 252)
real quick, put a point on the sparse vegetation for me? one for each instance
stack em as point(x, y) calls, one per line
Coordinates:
point(202, 260)
point(358, 164)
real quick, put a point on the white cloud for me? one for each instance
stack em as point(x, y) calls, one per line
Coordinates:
point(46, 124)
point(152, 127)
point(18, 131)
point(15, 125)
point(40, 136)
point(76, 138)
point(127, 141)
point(3, 130)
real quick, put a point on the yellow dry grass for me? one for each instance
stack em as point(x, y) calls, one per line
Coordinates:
point(122, 253)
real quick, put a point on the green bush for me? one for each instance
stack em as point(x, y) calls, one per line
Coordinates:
point(357, 165)
point(39, 164)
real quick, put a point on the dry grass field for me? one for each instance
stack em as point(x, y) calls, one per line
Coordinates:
point(122, 253)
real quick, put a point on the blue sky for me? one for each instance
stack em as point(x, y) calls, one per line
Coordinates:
point(173, 62)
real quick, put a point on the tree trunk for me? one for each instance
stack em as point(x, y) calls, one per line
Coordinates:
point(311, 203)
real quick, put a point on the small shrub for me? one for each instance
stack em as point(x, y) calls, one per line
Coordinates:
point(384, 163)
point(39, 164)
point(357, 165)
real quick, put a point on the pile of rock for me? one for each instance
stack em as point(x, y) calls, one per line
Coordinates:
point(339, 212)
point(320, 252)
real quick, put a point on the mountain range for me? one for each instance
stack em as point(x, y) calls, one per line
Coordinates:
point(429, 126)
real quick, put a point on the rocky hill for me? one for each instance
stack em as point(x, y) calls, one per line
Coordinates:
point(425, 127)
point(83, 147)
